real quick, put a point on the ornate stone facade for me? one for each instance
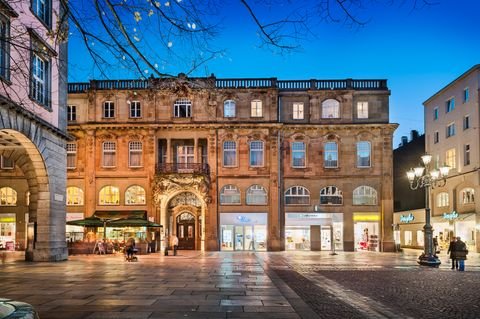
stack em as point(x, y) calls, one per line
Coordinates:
point(229, 143)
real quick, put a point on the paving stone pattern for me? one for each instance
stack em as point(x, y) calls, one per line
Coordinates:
point(280, 285)
point(419, 293)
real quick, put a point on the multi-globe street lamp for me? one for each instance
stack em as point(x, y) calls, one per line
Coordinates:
point(423, 177)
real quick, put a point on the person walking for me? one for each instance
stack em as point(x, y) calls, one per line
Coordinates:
point(451, 250)
point(461, 253)
point(175, 244)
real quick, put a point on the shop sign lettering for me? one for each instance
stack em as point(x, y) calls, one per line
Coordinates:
point(243, 219)
point(407, 218)
point(450, 216)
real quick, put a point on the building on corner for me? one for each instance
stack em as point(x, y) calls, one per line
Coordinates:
point(33, 135)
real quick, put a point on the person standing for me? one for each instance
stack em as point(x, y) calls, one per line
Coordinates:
point(175, 244)
point(129, 247)
point(451, 250)
point(461, 253)
point(435, 245)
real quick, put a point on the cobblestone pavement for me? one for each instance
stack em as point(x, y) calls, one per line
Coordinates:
point(241, 284)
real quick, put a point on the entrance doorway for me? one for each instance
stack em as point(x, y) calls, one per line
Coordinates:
point(186, 231)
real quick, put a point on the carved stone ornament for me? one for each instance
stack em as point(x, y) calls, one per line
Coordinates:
point(170, 183)
point(183, 84)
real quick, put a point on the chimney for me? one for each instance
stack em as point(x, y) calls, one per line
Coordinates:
point(404, 141)
point(413, 135)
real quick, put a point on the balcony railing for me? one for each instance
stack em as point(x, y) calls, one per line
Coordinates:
point(254, 83)
point(183, 168)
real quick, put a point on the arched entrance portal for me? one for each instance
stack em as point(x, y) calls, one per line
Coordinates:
point(185, 212)
point(38, 212)
point(186, 230)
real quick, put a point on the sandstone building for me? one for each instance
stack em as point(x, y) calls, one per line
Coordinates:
point(237, 164)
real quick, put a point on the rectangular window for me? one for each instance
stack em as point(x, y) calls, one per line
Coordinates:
point(109, 154)
point(108, 109)
point(42, 9)
point(298, 154)
point(435, 113)
point(229, 153)
point(363, 154)
point(436, 137)
point(466, 156)
point(71, 113)
point(256, 109)
point(466, 95)
point(331, 155)
point(450, 158)
point(451, 130)
point(182, 108)
point(298, 111)
point(450, 105)
point(40, 78)
point(256, 153)
point(4, 47)
point(466, 122)
point(135, 109)
point(6, 163)
point(362, 110)
point(135, 154)
point(71, 155)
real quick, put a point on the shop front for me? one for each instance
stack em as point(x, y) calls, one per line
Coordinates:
point(366, 231)
point(409, 228)
point(7, 231)
point(313, 231)
point(453, 224)
point(243, 231)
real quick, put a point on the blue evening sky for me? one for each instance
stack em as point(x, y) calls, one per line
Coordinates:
point(418, 52)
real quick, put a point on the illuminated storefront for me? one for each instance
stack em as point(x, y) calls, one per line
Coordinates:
point(454, 224)
point(409, 228)
point(7, 231)
point(303, 229)
point(243, 231)
point(366, 231)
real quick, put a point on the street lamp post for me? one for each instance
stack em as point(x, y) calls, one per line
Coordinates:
point(423, 177)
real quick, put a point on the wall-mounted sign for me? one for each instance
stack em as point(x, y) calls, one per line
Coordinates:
point(450, 216)
point(243, 219)
point(407, 218)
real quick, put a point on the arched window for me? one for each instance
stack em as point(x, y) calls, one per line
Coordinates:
point(331, 195)
point(442, 200)
point(256, 195)
point(182, 108)
point(330, 109)
point(229, 194)
point(135, 195)
point(229, 153)
point(74, 196)
point(364, 195)
point(8, 196)
point(109, 195)
point(467, 196)
point(229, 108)
point(297, 195)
